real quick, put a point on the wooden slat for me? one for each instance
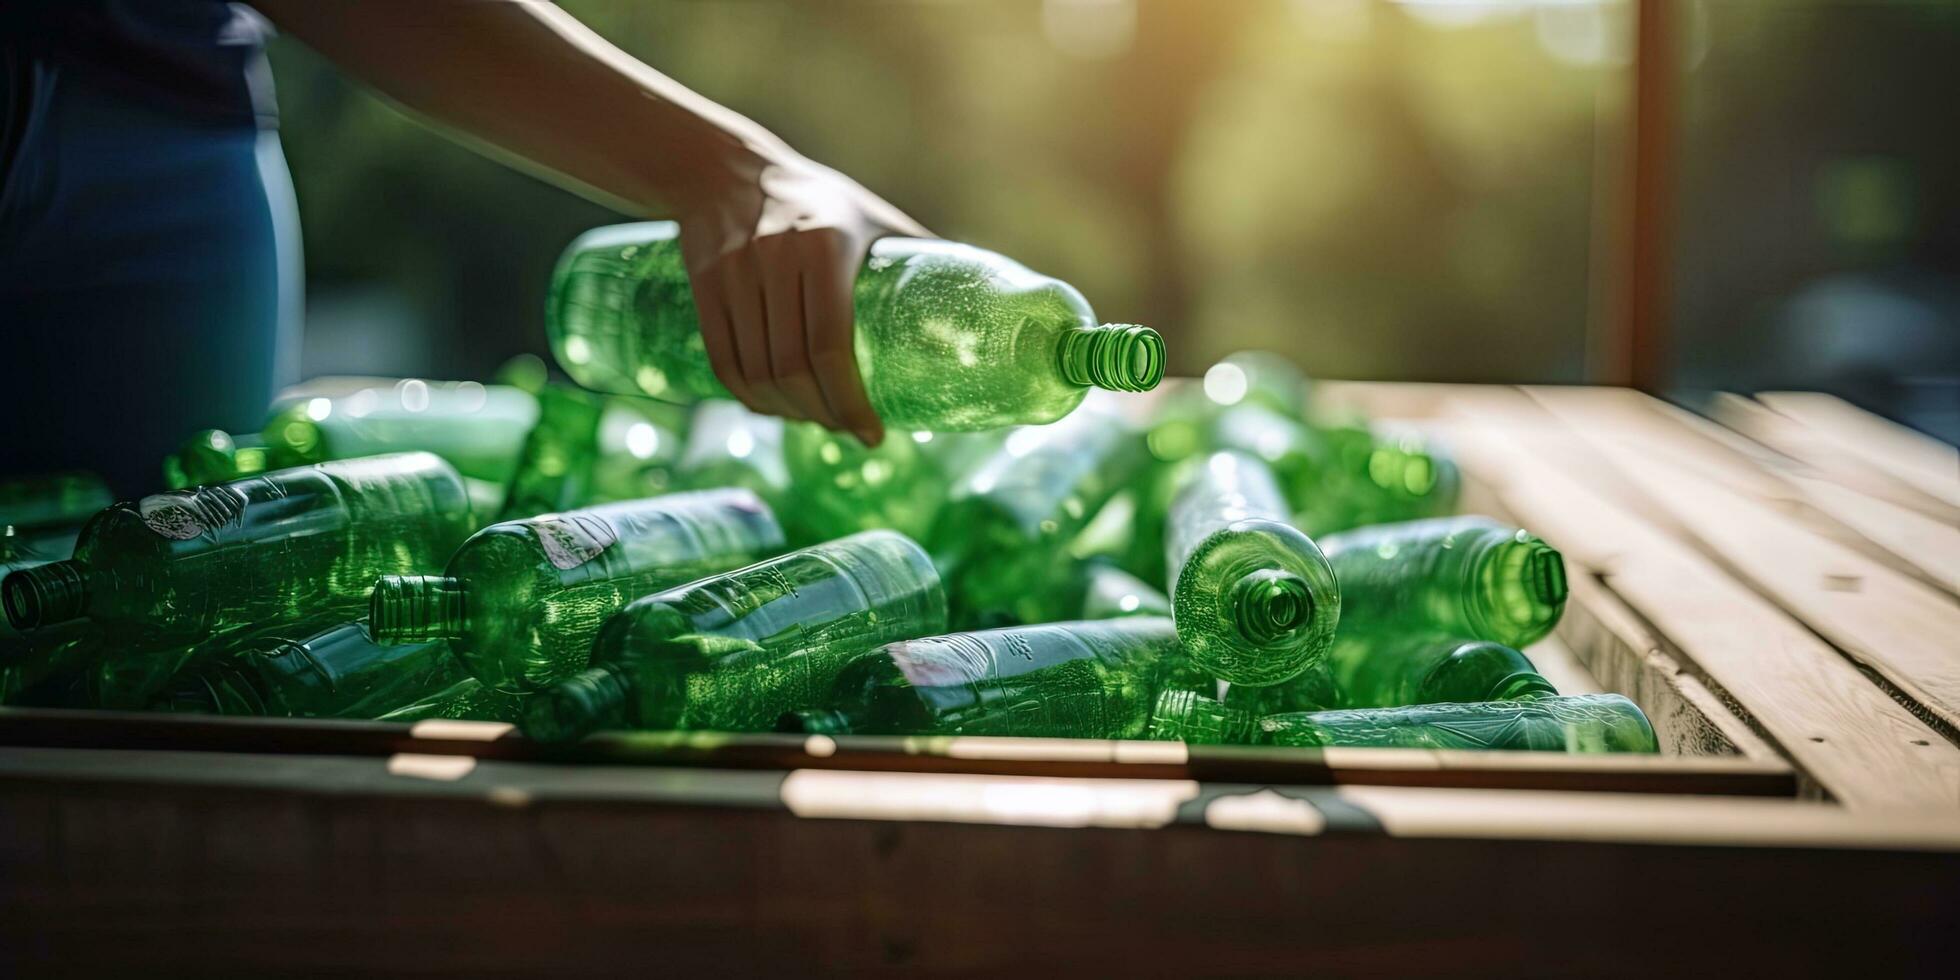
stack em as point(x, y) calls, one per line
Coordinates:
point(426, 745)
point(1861, 746)
point(1929, 465)
point(1900, 627)
point(1826, 457)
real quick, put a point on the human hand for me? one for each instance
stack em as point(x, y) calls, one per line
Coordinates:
point(772, 253)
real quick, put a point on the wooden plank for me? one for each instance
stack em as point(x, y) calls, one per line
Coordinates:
point(1929, 465)
point(1897, 625)
point(435, 749)
point(1862, 747)
point(1929, 546)
point(1786, 435)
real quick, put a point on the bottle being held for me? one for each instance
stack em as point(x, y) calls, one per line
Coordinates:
point(948, 337)
point(1585, 723)
point(1470, 577)
point(273, 548)
point(1056, 680)
point(521, 602)
point(736, 651)
point(1254, 600)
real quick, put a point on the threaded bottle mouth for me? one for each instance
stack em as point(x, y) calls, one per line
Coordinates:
point(415, 609)
point(1116, 356)
point(584, 703)
point(1545, 573)
point(1270, 603)
point(45, 595)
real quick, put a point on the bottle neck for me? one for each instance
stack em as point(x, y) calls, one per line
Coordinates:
point(1522, 685)
point(588, 701)
point(46, 595)
point(416, 609)
point(1269, 604)
point(1517, 588)
point(1116, 356)
point(1188, 716)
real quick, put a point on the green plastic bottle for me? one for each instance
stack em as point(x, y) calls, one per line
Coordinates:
point(21, 549)
point(736, 651)
point(1470, 577)
point(291, 672)
point(1299, 458)
point(1377, 475)
point(555, 467)
point(843, 487)
point(640, 443)
point(1109, 592)
point(1003, 535)
point(1395, 669)
point(949, 337)
point(217, 456)
point(478, 428)
point(1255, 601)
point(1577, 723)
point(468, 700)
point(291, 543)
point(52, 499)
point(1093, 679)
point(730, 446)
point(521, 601)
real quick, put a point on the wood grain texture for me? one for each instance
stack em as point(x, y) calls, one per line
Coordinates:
point(1929, 465)
point(1900, 627)
point(1818, 709)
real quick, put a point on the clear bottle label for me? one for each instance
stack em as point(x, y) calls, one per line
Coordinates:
point(181, 515)
point(572, 540)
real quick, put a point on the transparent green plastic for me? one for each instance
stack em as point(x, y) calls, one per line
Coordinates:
point(640, 442)
point(736, 651)
point(1254, 377)
point(1470, 577)
point(1109, 592)
point(521, 601)
point(730, 446)
point(1255, 601)
point(336, 672)
point(1585, 723)
point(467, 700)
point(478, 428)
point(1377, 475)
point(843, 488)
point(292, 543)
point(1094, 679)
point(1004, 533)
point(217, 456)
point(555, 466)
point(1394, 669)
point(949, 337)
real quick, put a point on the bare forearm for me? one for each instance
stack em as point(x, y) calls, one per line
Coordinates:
point(524, 78)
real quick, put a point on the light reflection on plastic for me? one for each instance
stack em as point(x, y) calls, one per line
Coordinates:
point(318, 409)
point(642, 440)
point(415, 395)
point(740, 444)
point(1225, 384)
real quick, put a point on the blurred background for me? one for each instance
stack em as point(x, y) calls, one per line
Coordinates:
point(1383, 190)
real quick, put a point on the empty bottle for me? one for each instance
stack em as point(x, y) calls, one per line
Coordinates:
point(521, 601)
point(1056, 680)
point(1299, 458)
point(1576, 723)
point(52, 499)
point(640, 443)
point(478, 428)
point(21, 549)
point(1108, 592)
point(1377, 475)
point(730, 446)
point(843, 487)
point(217, 456)
point(1004, 533)
point(555, 467)
point(1395, 669)
point(736, 651)
point(291, 672)
point(949, 337)
point(271, 548)
point(1470, 577)
point(1255, 601)
point(468, 699)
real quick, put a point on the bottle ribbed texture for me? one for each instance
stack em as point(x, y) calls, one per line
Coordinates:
point(45, 595)
point(1116, 356)
point(415, 608)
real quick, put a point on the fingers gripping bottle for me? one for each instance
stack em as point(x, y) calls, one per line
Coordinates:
point(1254, 600)
point(1471, 577)
point(1092, 679)
point(948, 337)
point(289, 544)
point(737, 651)
point(521, 601)
point(1586, 723)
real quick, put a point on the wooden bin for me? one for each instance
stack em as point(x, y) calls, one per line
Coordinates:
point(1777, 591)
